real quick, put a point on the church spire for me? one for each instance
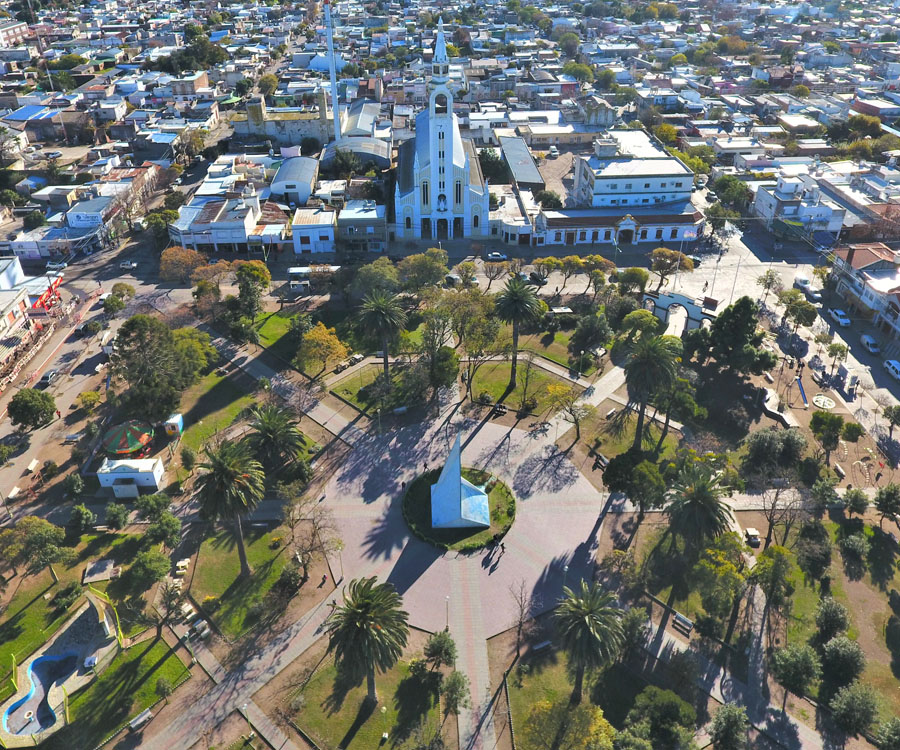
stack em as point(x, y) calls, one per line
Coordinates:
point(440, 63)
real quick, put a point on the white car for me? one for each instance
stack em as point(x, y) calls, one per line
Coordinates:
point(801, 283)
point(56, 265)
point(893, 367)
point(554, 152)
point(839, 317)
point(494, 257)
point(127, 265)
point(54, 154)
point(869, 344)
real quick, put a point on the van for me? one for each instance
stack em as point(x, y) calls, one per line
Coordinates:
point(554, 152)
point(893, 367)
point(453, 279)
point(56, 265)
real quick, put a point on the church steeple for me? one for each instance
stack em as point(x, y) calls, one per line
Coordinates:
point(440, 63)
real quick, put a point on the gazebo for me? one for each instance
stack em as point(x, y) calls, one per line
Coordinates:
point(129, 439)
point(456, 503)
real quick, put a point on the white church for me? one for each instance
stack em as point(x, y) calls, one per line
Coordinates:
point(440, 192)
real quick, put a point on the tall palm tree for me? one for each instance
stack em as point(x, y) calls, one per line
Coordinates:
point(381, 313)
point(652, 364)
point(275, 436)
point(517, 304)
point(590, 625)
point(697, 513)
point(368, 631)
point(231, 487)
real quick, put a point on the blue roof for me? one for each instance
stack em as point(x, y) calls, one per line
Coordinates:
point(28, 112)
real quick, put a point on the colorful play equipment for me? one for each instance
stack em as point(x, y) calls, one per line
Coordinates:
point(131, 439)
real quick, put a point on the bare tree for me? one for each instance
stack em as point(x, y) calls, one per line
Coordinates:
point(529, 371)
point(495, 271)
point(527, 603)
point(310, 524)
point(784, 509)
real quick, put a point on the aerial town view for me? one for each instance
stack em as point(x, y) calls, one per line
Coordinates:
point(408, 375)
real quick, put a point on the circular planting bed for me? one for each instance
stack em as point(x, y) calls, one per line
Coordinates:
point(417, 512)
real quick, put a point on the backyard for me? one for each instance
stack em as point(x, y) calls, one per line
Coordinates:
point(217, 586)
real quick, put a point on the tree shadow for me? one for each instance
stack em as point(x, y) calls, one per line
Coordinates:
point(343, 683)
point(414, 560)
point(413, 699)
point(882, 558)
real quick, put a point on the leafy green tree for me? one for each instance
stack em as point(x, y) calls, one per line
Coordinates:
point(267, 84)
point(378, 276)
point(887, 503)
point(843, 661)
point(892, 415)
point(647, 487)
point(149, 567)
point(813, 549)
point(736, 339)
point(770, 281)
point(772, 450)
point(231, 486)
point(662, 718)
point(633, 280)
point(368, 632)
point(416, 272)
point(151, 507)
point(579, 71)
point(590, 332)
point(854, 708)
point(773, 575)
point(253, 278)
point(640, 323)
point(888, 735)
point(568, 44)
point(548, 199)
point(33, 220)
point(652, 365)
point(665, 262)
point(590, 629)
point(382, 314)
point(855, 501)
point(720, 575)
point(559, 725)
point(31, 408)
point(243, 87)
point(795, 667)
point(832, 618)
point(718, 215)
point(157, 224)
point(440, 649)
point(666, 133)
point(827, 427)
point(82, 519)
point(116, 516)
point(696, 512)
point(729, 728)
point(113, 305)
point(455, 689)
point(165, 530)
point(517, 305)
point(275, 437)
point(733, 191)
point(493, 167)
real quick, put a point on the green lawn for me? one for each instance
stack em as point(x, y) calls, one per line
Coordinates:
point(210, 405)
point(596, 431)
point(544, 677)
point(493, 377)
point(553, 346)
point(334, 716)
point(350, 386)
point(417, 512)
point(122, 691)
point(32, 615)
point(272, 327)
point(218, 575)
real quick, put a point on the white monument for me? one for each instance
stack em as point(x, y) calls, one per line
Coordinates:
point(456, 503)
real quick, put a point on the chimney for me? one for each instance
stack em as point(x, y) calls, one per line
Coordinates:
point(851, 251)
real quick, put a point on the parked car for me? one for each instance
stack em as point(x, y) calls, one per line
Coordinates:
point(553, 152)
point(752, 536)
point(494, 257)
point(893, 367)
point(48, 378)
point(869, 344)
point(813, 295)
point(521, 275)
point(839, 317)
point(127, 265)
point(537, 279)
point(56, 265)
point(53, 154)
point(802, 283)
point(696, 260)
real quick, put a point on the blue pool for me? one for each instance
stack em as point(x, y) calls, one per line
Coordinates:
point(43, 672)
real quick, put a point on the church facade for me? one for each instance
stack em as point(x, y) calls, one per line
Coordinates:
point(440, 192)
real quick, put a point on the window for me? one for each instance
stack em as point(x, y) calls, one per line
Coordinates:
point(662, 184)
point(643, 234)
point(659, 234)
point(607, 234)
point(458, 191)
point(409, 222)
point(441, 154)
point(304, 240)
point(614, 201)
point(290, 187)
point(324, 238)
point(475, 221)
point(441, 170)
point(646, 200)
point(440, 135)
point(677, 184)
point(440, 104)
point(646, 184)
point(673, 235)
point(557, 237)
point(582, 236)
point(425, 193)
point(614, 185)
point(628, 186)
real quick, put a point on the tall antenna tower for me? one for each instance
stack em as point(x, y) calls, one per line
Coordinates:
point(333, 73)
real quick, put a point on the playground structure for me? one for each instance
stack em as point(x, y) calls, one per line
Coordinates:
point(661, 303)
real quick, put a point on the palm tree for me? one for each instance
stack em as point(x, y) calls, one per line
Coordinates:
point(652, 365)
point(275, 435)
point(590, 625)
point(231, 487)
point(517, 304)
point(697, 512)
point(368, 631)
point(381, 313)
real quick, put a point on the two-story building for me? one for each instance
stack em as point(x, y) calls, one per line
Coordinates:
point(798, 203)
point(362, 225)
point(868, 278)
point(313, 229)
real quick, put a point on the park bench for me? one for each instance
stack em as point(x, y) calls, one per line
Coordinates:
point(683, 624)
point(542, 645)
point(142, 718)
point(601, 461)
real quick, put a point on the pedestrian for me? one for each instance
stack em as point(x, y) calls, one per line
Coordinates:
point(324, 578)
point(502, 548)
point(705, 286)
point(58, 414)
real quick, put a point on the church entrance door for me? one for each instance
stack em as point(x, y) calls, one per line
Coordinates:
point(442, 229)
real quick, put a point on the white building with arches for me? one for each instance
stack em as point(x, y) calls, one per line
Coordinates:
point(440, 192)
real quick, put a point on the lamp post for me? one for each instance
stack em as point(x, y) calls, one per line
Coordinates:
point(565, 574)
point(447, 601)
point(384, 734)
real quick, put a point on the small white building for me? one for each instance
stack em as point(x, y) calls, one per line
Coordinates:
point(313, 229)
point(128, 476)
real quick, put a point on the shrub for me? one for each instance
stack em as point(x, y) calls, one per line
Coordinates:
point(855, 546)
point(74, 484)
point(485, 398)
point(854, 708)
point(852, 432)
point(116, 516)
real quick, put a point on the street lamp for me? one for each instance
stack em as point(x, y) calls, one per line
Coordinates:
point(384, 734)
point(447, 601)
point(565, 574)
